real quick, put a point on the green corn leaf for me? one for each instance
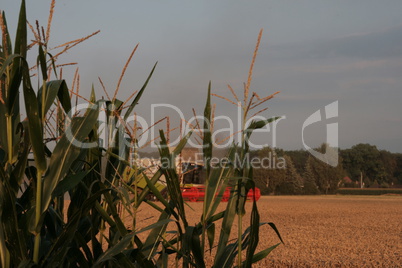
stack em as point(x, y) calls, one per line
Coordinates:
point(63, 94)
point(168, 167)
point(244, 186)
point(7, 63)
point(42, 63)
point(226, 228)
point(55, 88)
point(254, 234)
point(262, 254)
point(153, 240)
point(105, 216)
point(66, 151)
point(219, 180)
point(122, 260)
point(52, 59)
point(227, 259)
point(19, 170)
point(69, 183)
point(5, 262)
point(156, 192)
point(163, 260)
point(125, 241)
point(21, 37)
point(259, 124)
point(27, 264)
point(231, 250)
point(19, 67)
point(207, 142)
point(13, 87)
point(59, 249)
point(139, 94)
point(13, 235)
point(181, 144)
point(2, 155)
point(119, 223)
point(34, 122)
point(146, 190)
point(3, 132)
point(273, 226)
point(191, 243)
point(211, 235)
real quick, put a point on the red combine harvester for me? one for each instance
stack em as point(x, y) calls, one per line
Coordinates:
point(196, 193)
point(193, 177)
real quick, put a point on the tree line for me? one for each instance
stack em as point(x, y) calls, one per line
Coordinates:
point(362, 165)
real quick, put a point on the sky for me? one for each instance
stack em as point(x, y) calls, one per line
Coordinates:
point(315, 52)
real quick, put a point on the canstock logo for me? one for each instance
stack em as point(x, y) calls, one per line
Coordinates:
point(331, 153)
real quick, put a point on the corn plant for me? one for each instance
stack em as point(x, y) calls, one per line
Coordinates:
point(101, 181)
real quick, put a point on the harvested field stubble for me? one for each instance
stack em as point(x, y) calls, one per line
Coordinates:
point(335, 231)
point(323, 231)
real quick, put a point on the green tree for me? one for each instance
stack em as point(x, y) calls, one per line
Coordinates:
point(299, 159)
point(270, 173)
point(366, 159)
point(398, 171)
point(327, 177)
point(310, 187)
point(390, 165)
point(292, 182)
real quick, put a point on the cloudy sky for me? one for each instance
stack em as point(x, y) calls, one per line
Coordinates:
point(315, 52)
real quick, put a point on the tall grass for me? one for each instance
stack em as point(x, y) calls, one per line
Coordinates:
point(102, 182)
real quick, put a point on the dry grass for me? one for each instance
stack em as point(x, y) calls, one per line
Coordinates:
point(324, 231)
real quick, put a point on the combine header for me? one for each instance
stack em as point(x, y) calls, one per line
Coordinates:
point(196, 193)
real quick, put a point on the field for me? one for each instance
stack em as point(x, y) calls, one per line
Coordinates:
point(325, 231)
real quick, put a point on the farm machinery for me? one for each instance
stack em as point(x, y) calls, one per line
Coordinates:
point(192, 178)
point(193, 187)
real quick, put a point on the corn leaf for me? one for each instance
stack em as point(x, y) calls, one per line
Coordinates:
point(42, 63)
point(66, 151)
point(21, 37)
point(207, 139)
point(211, 235)
point(20, 48)
point(153, 240)
point(125, 241)
point(9, 219)
point(226, 228)
point(254, 234)
point(55, 88)
point(34, 121)
point(69, 183)
point(19, 169)
point(264, 253)
point(139, 94)
point(258, 124)
point(191, 243)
